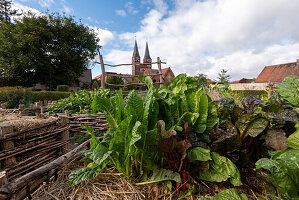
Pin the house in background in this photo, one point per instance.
(246, 80)
(85, 78)
(276, 73)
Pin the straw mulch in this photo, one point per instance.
(114, 186)
(24, 122)
(104, 186)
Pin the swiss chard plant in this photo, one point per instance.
(288, 89)
(79, 102)
(284, 168)
(130, 143)
(163, 137)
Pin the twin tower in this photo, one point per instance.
(137, 67)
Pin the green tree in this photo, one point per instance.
(223, 77)
(201, 80)
(48, 49)
(116, 80)
(6, 12)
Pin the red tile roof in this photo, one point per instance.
(276, 73)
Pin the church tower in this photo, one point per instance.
(135, 60)
(147, 58)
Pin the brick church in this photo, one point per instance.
(144, 68)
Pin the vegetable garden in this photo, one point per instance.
(179, 138)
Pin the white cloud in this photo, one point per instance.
(25, 9)
(121, 13)
(206, 36)
(67, 9)
(45, 3)
(104, 35)
(130, 8)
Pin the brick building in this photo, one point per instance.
(276, 73)
(144, 68)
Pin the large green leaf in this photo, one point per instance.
(93, 142)
(100, 154)
(95, 105)
(119, 106)
(199, 154)
(149, 107)
(79, 175)
(163, 175)
(212, 119)
(146, 80)
(178, 84)
(121, 141)
(289, 89)
(221, 169)
(284, 167)
(108, 108)
(229, 194)
(252, 125)
(136, 103)
(293, 140)
(203, 108)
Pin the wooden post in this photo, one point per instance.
(37, 105)
(270, 87)
(21, 107)
(3, 106)
(103, 71)
(160, 71)
(42, 110)
(65, 134)
(6, 128)
(3, 178)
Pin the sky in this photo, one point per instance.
(191, 36)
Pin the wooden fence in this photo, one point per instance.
(103, 81)
(31, 156)
(25, 150)
(96, 121)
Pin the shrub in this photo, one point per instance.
(13, 96)
(63, 88)
(49, 95)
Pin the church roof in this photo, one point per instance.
(136, 52)
(146, 54)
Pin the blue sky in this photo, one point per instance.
(192, 36)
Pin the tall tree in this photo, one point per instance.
(49, 49)
(201, 80)
(223, 77)
(6, 12)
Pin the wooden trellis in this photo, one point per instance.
(159, 63)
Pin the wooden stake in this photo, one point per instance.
(6, 128)
(160, 71)
(103, 71)
(3, 178)
(65, 134)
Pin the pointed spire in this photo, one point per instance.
(146, 54)
(136, 52)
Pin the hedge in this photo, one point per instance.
(13, 96)
(62, 88)
(49, 95)
(244, 93)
